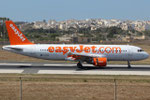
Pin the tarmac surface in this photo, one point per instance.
(62, 68)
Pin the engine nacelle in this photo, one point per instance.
(100, 62)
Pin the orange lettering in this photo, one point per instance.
(116, 49)
(93, 49)
(72, 49)
(108, 50)
(58, 49)
(87, 49)
(51, 49)
(80, 50)
(65, 50)
(101, 50)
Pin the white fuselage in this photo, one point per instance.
(98, 55)
(61, 51)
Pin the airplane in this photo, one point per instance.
(98, 55)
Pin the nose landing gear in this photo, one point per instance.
(129, 65)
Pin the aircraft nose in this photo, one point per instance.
(146, 55)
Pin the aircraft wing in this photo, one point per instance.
(89, 55)
(83, 56)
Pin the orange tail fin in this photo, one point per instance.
(16, 37)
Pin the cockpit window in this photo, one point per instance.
(140, 50)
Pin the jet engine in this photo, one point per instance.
(100, 62)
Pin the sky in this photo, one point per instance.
(35, 10)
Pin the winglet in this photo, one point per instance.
(16, 37)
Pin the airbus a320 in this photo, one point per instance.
(98, 55)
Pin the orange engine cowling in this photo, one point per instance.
(100, 62)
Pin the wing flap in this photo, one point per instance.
(88, 55)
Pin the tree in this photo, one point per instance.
(113, 30)
(147, 32)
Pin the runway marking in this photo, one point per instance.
(10, 71)
(29, 71)
(40, 68)
(15, 64)
(95, 72)
(67, 65)
(59, 64)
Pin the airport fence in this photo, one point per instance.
(45, 88)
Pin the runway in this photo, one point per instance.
(62, 68)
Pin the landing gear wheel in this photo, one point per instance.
(129, 66)
(79, 65)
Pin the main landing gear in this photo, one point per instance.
(129, 66)
(79, 65)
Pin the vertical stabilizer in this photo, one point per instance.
(16, 37)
